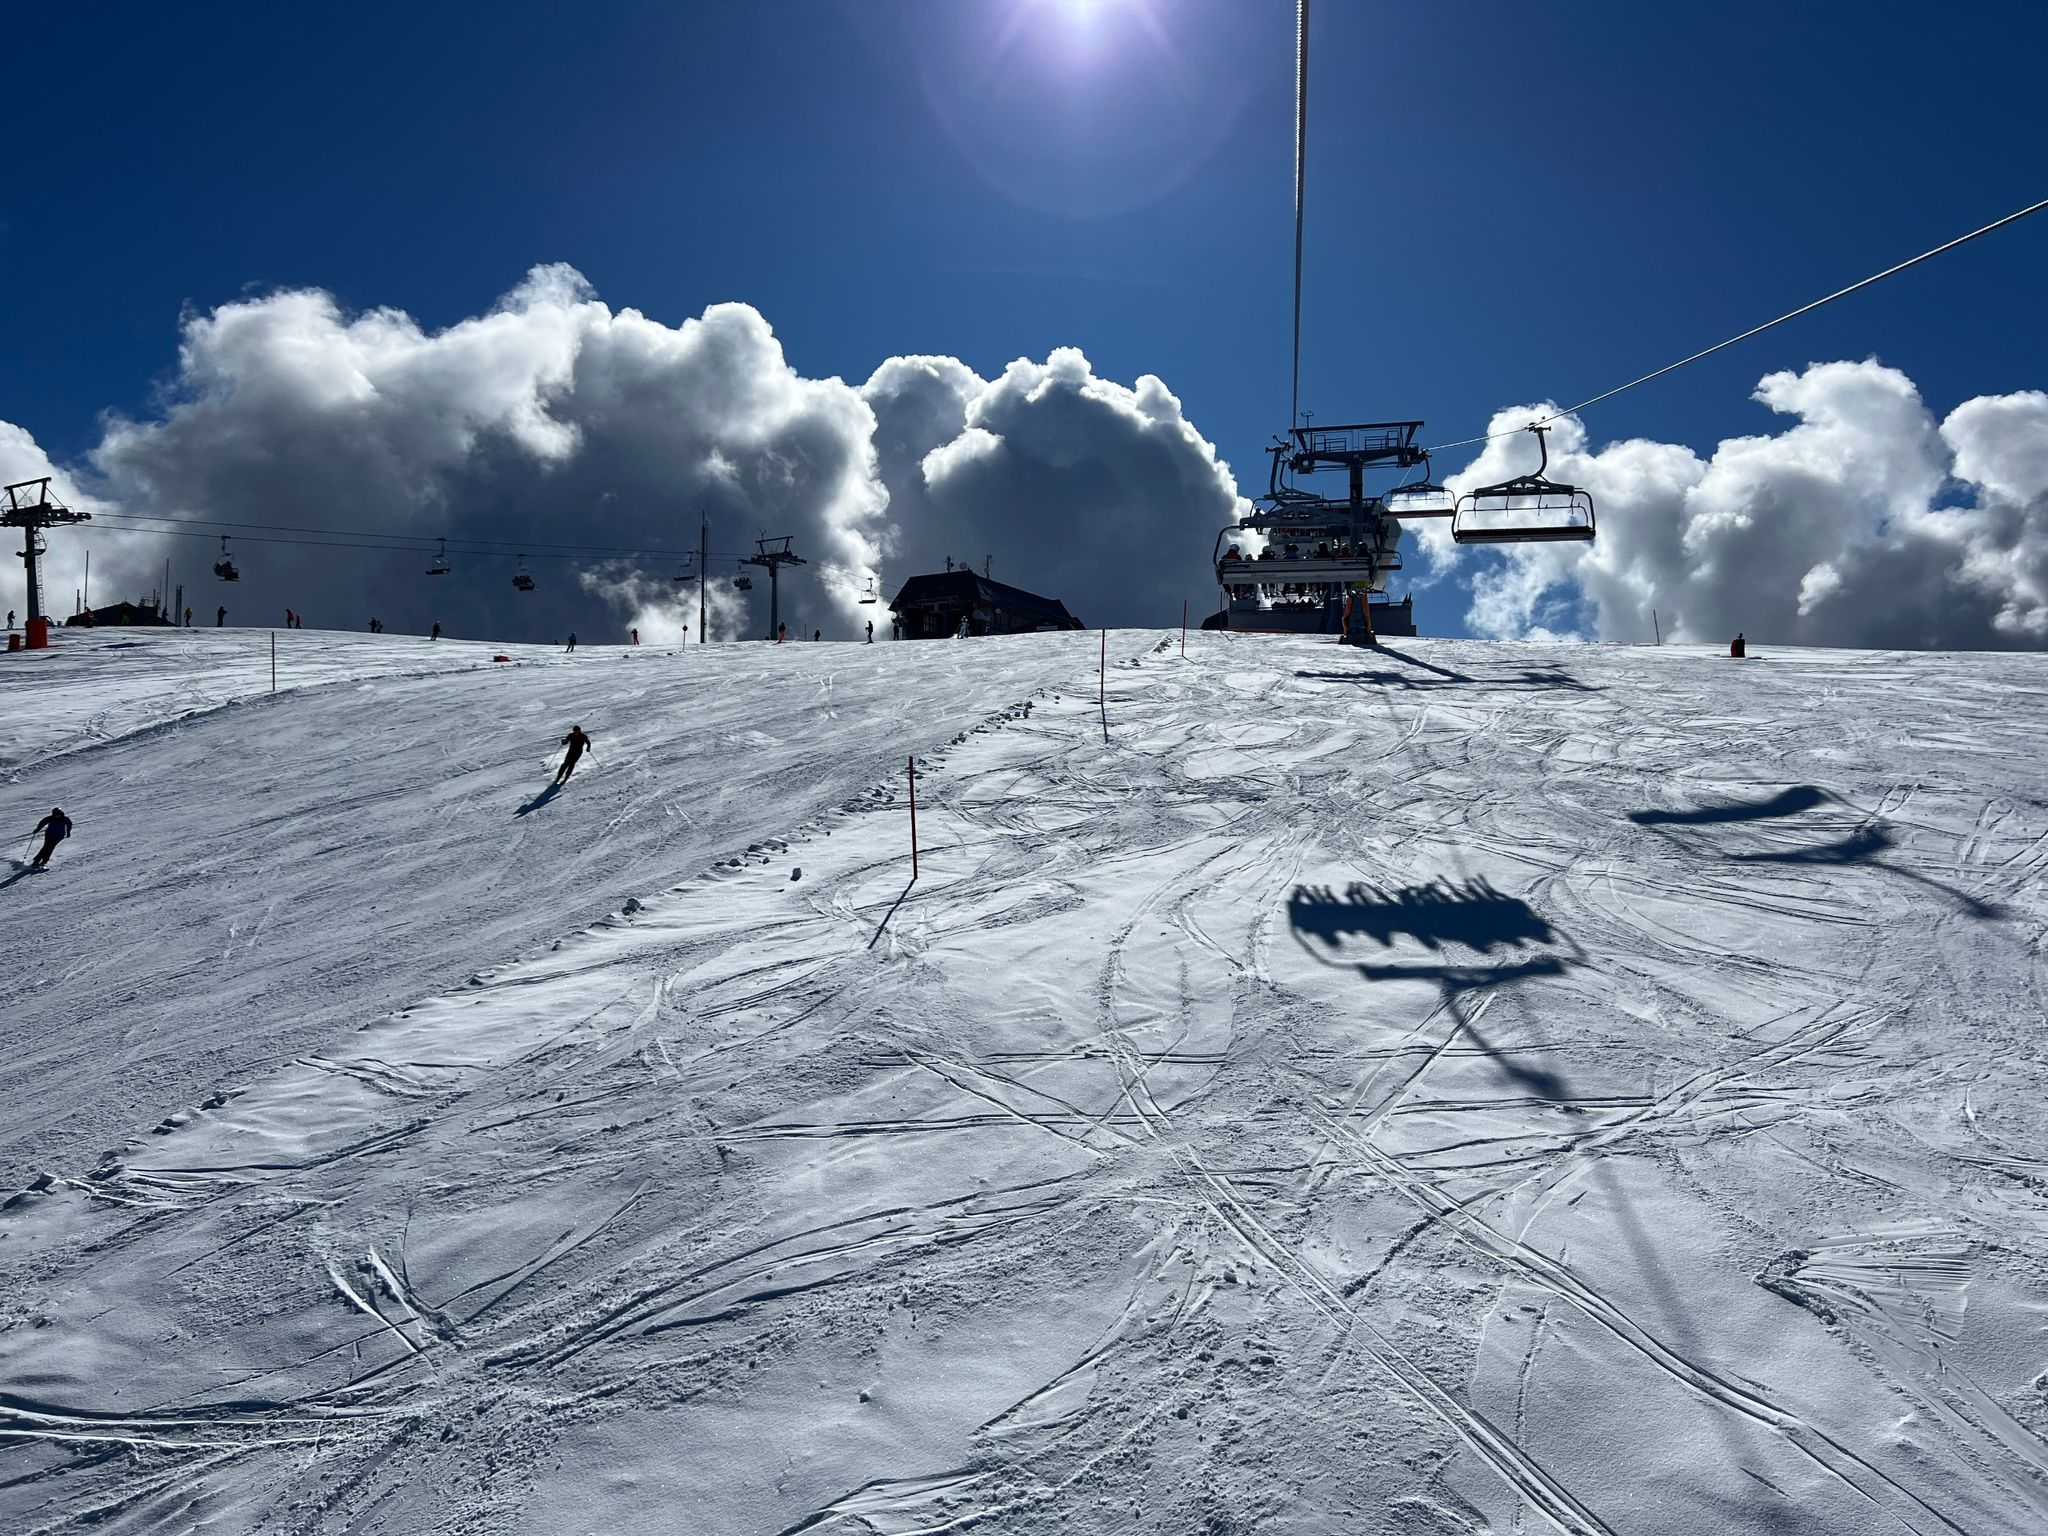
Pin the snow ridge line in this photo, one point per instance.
(85, 743)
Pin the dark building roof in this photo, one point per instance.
(117, 614)
(964, 589)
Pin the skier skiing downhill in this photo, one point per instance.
(577, 743)
(55, 827)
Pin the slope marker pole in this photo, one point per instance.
(1183, 626)
(913, 819)
(273, 661)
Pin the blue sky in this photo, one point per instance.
(1506, 202)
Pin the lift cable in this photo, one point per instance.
(1875, 277)
(1300, 187)
(346, 538)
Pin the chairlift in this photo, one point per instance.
(224, 567)
(871, 595)
(743, 582)
(1420, 498)
(440, 565)
(686, 570)
(1550, 511)
(521, 580)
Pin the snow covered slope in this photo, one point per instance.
(1454, 1087)
(245, 884)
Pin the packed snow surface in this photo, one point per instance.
(1452, 1087)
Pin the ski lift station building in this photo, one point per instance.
(931, 607)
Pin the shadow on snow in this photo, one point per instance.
(1800, 797)
(1471, 916)
(1862, 846)
(539, 800)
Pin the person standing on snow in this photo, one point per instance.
(436, 634)
(572, 640)
(781, 633)
(55, 827)
(220, 618)
(871, 631)
(576, 742)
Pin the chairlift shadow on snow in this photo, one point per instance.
(1474, 915)
(1788, 802)
(1471, 916)
(1862, 846)
(1533, 678)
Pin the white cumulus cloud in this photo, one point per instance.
(1865, 522)
(556, 423)
(591, 440)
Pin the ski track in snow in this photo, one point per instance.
(1453, 1086)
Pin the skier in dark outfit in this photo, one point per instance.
(576, 742)
(55, 827)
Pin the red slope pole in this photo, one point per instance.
(913, 818)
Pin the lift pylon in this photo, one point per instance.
(28, 505)
(773, 560)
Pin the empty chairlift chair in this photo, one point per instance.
(440, 565)
(224, 567)
(521, 580)
(1420, 498)
(1528, 509)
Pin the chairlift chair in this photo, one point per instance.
(1420, 498)
(440, 565)
(743, 582)
(686, 570)
(870, 596)
(224, 567)
(1550, 511)
(522, 580)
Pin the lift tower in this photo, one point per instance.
(773, 560)
(27, 505)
